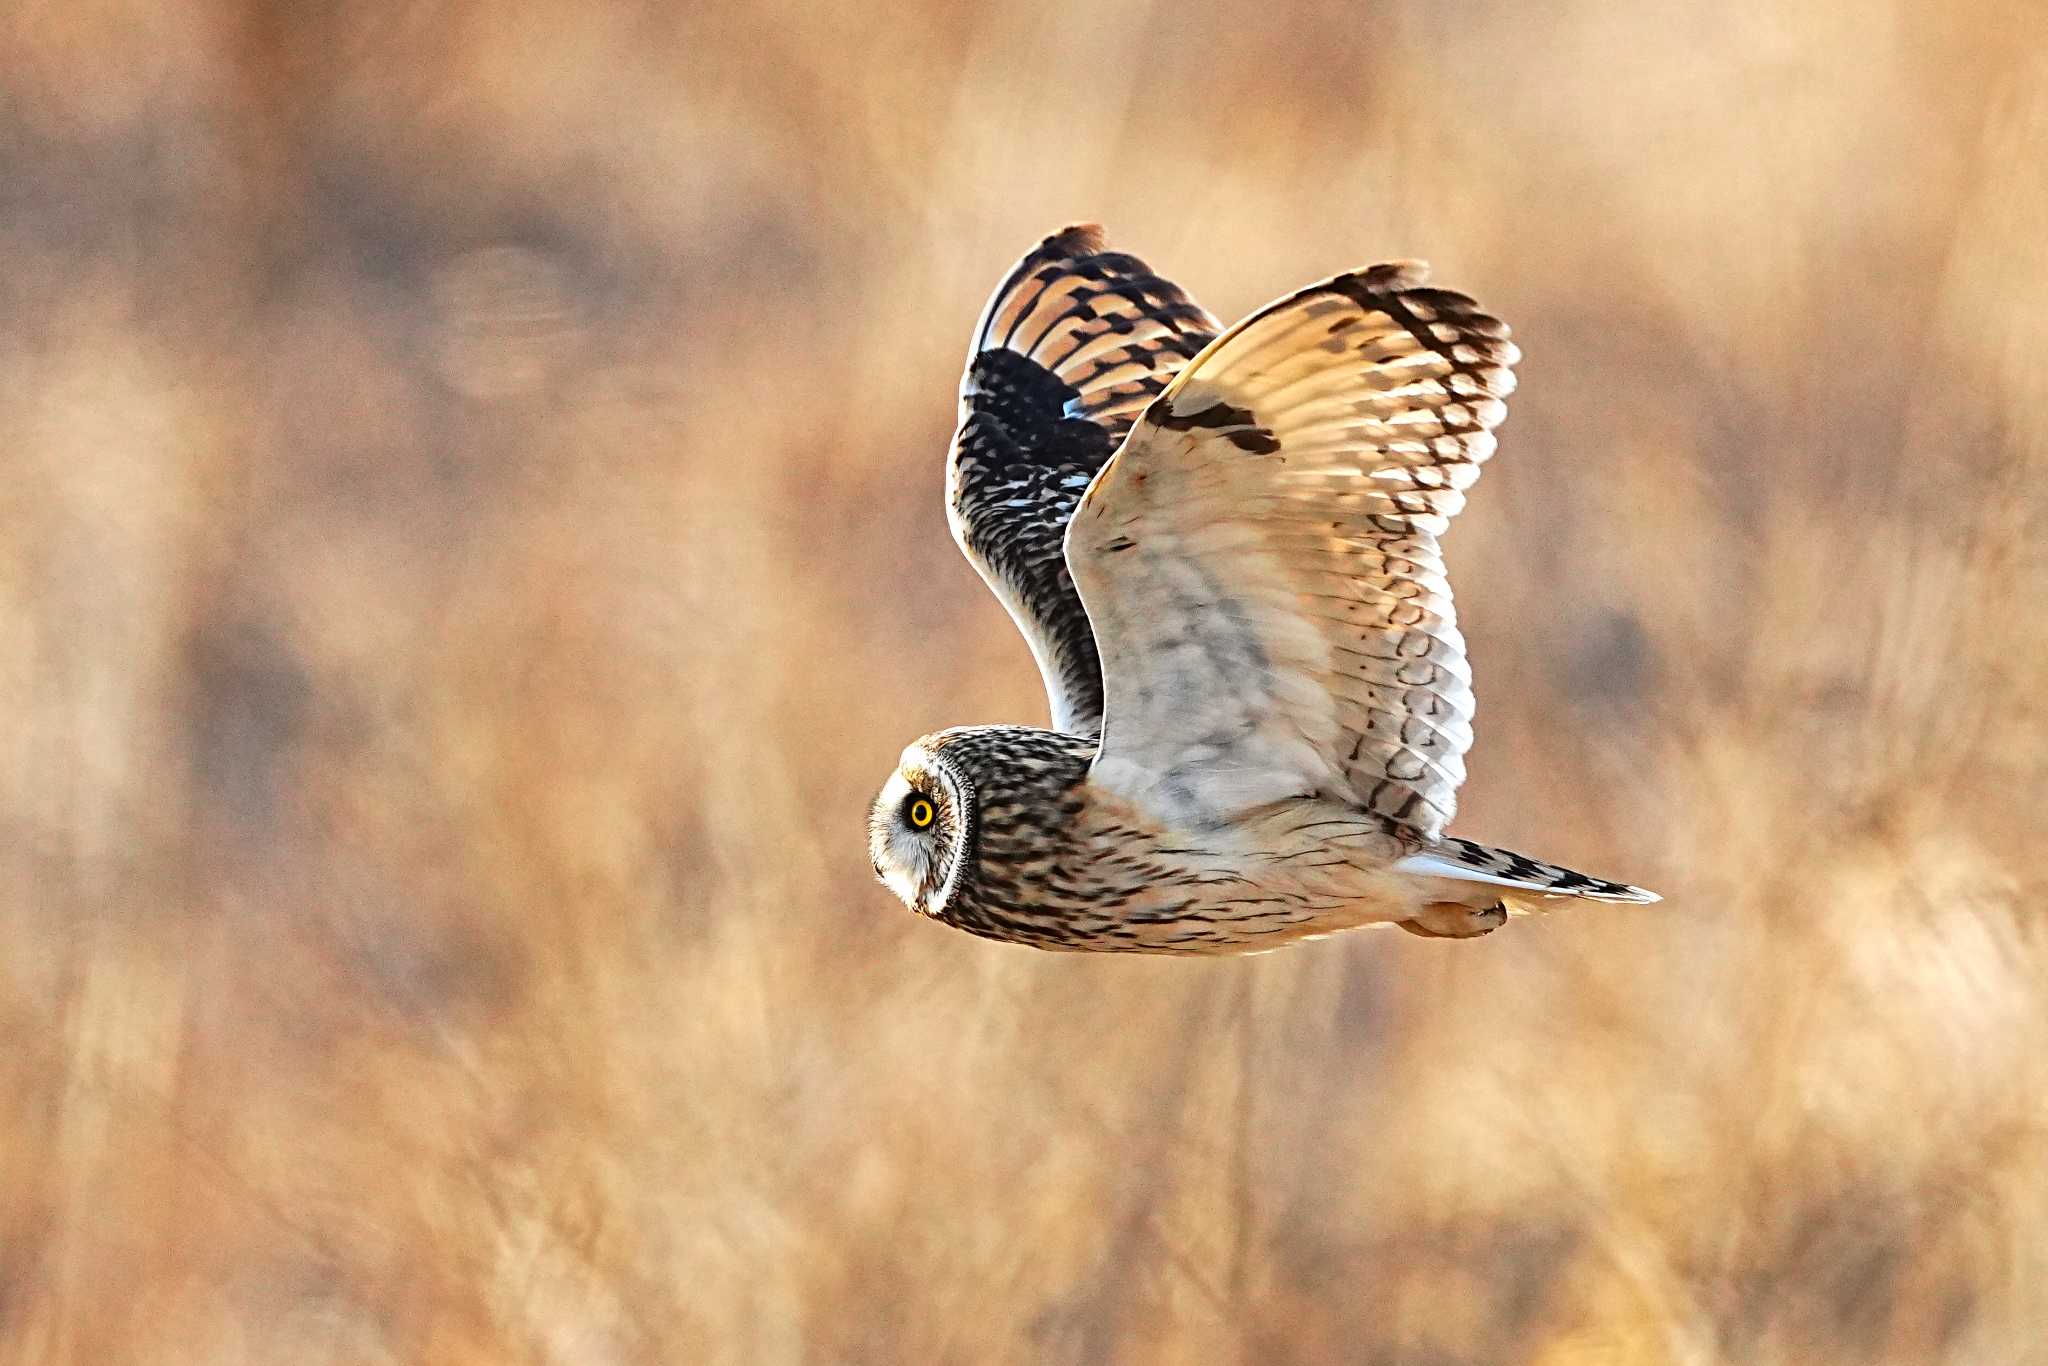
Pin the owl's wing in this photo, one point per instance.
(1260, 559)
(1072, 346)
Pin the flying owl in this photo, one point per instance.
(1222, 548)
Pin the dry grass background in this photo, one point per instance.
(470, 545)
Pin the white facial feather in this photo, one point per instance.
(902, 856)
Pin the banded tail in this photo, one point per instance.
(1467, 861)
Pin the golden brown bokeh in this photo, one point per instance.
(471, 545)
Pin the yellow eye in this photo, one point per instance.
(920, 813)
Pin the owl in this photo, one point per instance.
(1222, 546)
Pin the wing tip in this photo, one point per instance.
(1389, 277)
(1075, 239)
(1463, 860)
(1369, 286)
(1613, 893)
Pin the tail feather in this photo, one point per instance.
(1466, 861)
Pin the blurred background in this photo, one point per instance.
(471, 545)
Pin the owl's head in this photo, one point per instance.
(921, 829)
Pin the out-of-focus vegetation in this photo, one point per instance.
(471, 544)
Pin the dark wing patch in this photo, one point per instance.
(1071, 348)
(1235, 425)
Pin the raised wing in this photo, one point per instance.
(1260, 559)
(1072, 346)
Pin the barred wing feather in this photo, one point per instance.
(1261, 566)
(1072, 346)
